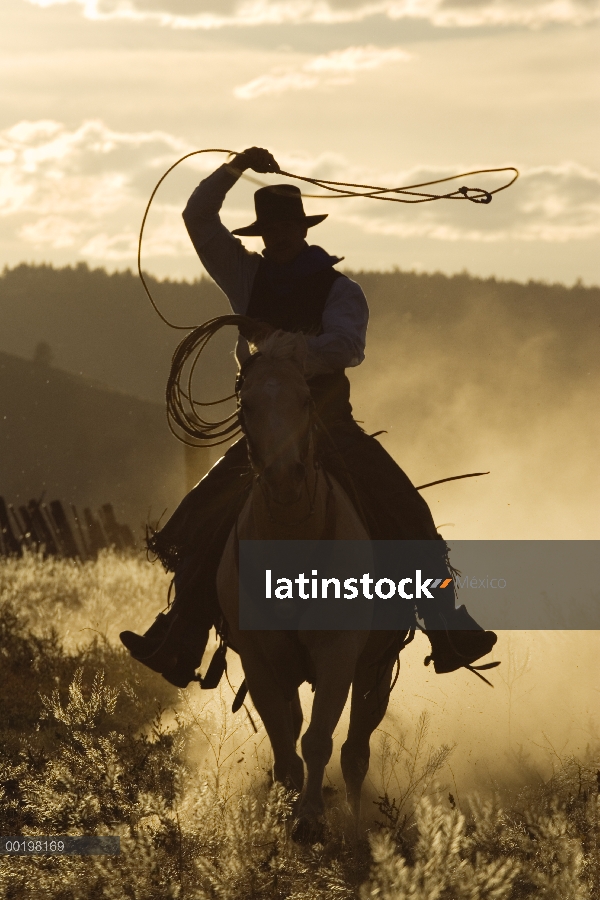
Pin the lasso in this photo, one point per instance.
(340, 189)
(183, 412)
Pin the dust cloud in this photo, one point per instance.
(541, 711)
(500, 380)
(471, 376)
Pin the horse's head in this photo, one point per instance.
(275, 413)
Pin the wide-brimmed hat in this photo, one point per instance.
(275, 203)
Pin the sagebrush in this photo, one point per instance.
(91, 743)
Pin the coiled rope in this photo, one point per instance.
(183, 412)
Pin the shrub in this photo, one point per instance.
(85, 749)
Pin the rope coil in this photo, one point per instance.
(183, 412)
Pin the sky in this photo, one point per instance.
(99, 97)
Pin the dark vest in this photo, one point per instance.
(301, 309)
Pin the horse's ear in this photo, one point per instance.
(242, 350)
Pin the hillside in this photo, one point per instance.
(66, 437)
(102, 326)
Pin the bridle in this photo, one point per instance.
(307, 444)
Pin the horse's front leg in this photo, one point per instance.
(279, 716)
(282, 719)
(370, 698)
(334, 659)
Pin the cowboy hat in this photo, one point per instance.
(275, 203)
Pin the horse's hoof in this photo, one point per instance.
(308, 831)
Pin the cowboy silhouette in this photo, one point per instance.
(293, 286)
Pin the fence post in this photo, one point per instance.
(42, 529)
(64, 531)
(97, 541)
(11, 545)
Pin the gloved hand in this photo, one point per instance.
(255, 332)
(256, 158)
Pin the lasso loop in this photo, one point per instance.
(183, 417)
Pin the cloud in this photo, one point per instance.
(215, 14)
(335, 68)
(76, 189)
(549, 204)
(55, 232)
(80, 193)
(356, 59)
(276, 83)
(48, 169)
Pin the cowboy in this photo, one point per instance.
(292, 286)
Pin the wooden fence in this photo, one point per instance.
(50, 529)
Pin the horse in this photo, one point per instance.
(293, 498)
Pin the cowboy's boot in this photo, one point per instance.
(173, 645)
(457, 640)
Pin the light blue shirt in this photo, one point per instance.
(346, 313)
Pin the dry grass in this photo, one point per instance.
(92, 745)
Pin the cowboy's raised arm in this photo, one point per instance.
(224, 256)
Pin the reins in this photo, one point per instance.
(312, 499)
